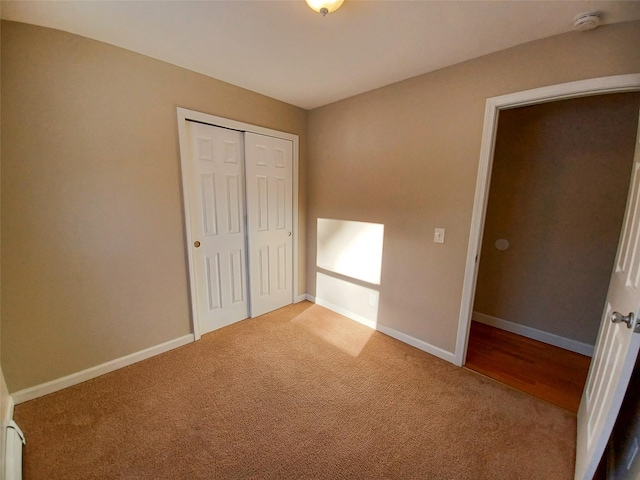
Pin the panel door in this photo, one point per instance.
(217, 225)
(269, 163)
(617, 345)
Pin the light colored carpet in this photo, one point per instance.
(299, 393)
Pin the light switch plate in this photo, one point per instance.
(438, 237)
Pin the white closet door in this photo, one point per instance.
(268, 163)
(215, 191)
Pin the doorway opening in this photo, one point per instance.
(556, 204)
(617, 346)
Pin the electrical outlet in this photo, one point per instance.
(438, 236)
(372, 300)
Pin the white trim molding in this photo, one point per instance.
(417, 343)
(346, 313)
(582, 88)
(8, 413)
(535, 334)
(403, 337)
(93, 372)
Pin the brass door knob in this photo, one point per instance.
(196, 244)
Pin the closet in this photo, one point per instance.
(238, 203)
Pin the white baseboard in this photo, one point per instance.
(300, 298)
(535, 334)
(403, 337)
(310, 298)
(93, 372)
(346, 313)
(417, 343)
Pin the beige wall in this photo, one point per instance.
(559, 187)
(94, 263)
(406, 156)
(93, 251)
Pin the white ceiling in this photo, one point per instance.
(285, 50)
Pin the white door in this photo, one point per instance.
(268, 162)
(214, 187)
(617, 345)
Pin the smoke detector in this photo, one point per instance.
(586, 21)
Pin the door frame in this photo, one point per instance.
(183, 116)
(564, 91)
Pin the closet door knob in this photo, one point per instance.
(196, 244)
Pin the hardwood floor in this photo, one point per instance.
(544, 371)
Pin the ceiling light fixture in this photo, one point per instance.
(324, 6)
